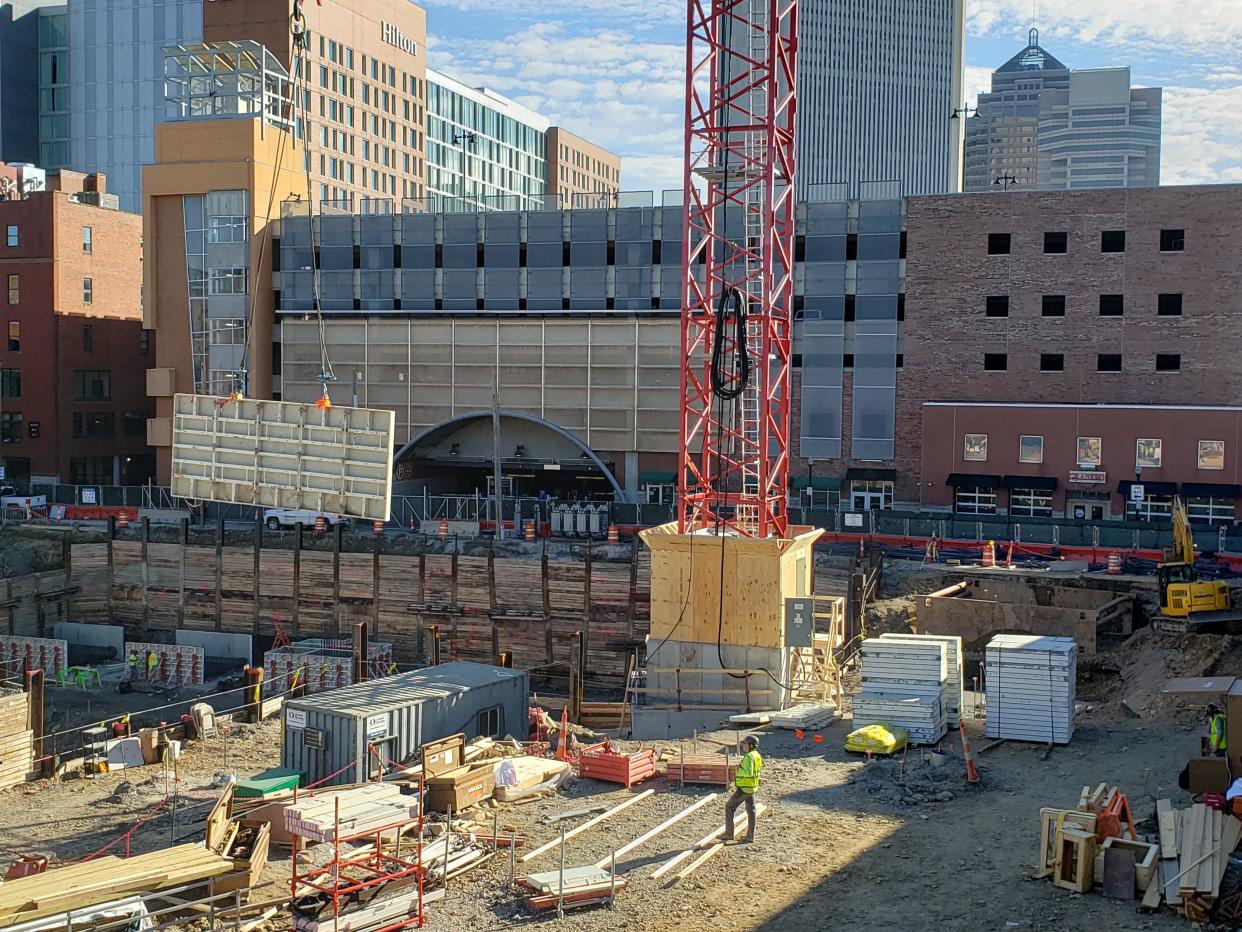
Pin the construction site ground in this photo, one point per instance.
(888, 844)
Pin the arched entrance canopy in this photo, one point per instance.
(445, 427)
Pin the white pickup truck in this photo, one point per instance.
(277, 518)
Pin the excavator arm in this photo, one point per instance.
(1183, 539)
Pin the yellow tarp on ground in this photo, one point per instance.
(876, 739)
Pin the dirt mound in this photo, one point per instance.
(920, 779)
(1148, 659)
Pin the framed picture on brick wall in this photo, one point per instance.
(975, 448)
(1211, 454)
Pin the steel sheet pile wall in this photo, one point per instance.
(1030, 688)
(530, 606)
(333, 731)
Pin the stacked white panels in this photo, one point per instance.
(952, 693)
(1030, 688)
(902, 685)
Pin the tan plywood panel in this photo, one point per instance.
(277, 454)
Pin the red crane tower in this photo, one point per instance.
(737, 266)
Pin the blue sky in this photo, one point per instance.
(611, 70)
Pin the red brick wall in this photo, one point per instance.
(949, 275)
(52, 265)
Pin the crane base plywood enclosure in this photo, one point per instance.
(718, 617)
(736, 597)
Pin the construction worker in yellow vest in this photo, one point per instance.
(133, 665)
(1217, 741)
(153, 661)
(746, 783)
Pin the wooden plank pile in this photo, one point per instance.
(804, 716)
(106, 878)
(362, 809)
(601, 762)
(16, 739)
(1203, 839)
(1095, 844)
(604, 715)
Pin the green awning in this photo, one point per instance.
(657, 478)
(819, 483)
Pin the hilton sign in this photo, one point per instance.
(395, 37)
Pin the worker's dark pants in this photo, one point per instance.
(737, 799)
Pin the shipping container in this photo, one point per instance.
(327, 735)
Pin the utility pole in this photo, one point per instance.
(496, 470)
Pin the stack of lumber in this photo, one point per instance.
(951, 694)
(601, 762)
(903, 685)
(1030, 688)
(804, 716)
(604, 715)
(702, 768)
(362, 809)
(1205, 838)
(454, 860)
(578, 886)
(16, 747)
(105, 879)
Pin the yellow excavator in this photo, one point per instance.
(1183, 594)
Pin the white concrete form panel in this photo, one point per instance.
(274, 454)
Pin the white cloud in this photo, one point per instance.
(1145, 23)
(647, 11)
(1202, 135)
(978, 81)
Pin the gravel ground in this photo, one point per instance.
(847, 844)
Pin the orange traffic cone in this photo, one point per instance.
(442, 533)
(989, 554)
(562, 742)
(614, 536)
(1009, 557)
(972, 774)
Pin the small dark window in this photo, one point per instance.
(1054, 305)
(1112, 305)
(995, 362)
(1169, 305)
(491, 722)
(1113, 241)
(1168, 362)
(1108, 362)
(1172, 240)
(998, 244)
(1056, 243)
(144, 342)
(847, 361)
(849, 308)
(1051, 362)
(998, 305)
(88, 338)
(901, 360)
(795, 360)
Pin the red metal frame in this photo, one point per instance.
(376, 867)
(739, 154)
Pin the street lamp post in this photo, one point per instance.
(1005, 181)
(462, 139)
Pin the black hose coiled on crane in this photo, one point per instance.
(720, 387)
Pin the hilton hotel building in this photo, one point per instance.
(82, 86)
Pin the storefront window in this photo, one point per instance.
(1210, 510)
(1030, 503)
(1030, 449)
(869, 495)
(1154, 506)
(976, 501)
(975, 448)
(1089, 450)
(1211, 454)
(1147, 453)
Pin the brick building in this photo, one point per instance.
(1019, 301)
(73, 405)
